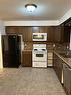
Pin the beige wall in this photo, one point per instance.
(1, 61)
(2, 28)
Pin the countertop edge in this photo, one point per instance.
(66, 60)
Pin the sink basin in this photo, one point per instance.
(65, 55)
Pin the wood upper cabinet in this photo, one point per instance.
(27, 35)
(65, 31)
(27, 58)
(12, 30)
(20, 30)
(62, 32)
(53, 32)
(43, 29)
(57, 34)
(35, 29)
(50, 34)
(67, 78)
(26, 32)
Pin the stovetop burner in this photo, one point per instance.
(39, 49)
(43, 49)
(35, 49)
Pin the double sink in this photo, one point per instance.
(66, 54)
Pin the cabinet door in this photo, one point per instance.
(26, 33)
(67, 34)
(35, 29)
(50, 59)
(54, 62)
(27, 59)
(50, 34)
(12, 30)
(57, 34)
(58, 66)
(67, 79)
(43, 29)
(62, 33)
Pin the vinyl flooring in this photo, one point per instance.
(29, 81)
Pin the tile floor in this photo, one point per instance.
(29, 81)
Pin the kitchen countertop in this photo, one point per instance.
(66, 60)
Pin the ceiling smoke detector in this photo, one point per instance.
(30, 7)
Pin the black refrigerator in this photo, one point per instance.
(11, 49)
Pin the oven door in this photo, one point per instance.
(39, 56)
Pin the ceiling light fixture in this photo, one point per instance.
(30, 7)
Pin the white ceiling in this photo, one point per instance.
(46, 9)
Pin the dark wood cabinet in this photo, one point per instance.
(67, 34)
(50, 34)
(36, 29)
(26, 32)
(57, 34)
(53, 32)
(12, 30)
(27, 58)
(60, 34)
(63, 72)
(58, 66)
(67, 79)
(43, 29)
(65, 31)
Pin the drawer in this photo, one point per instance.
(50, 61)
(39, 64)
(50, 55)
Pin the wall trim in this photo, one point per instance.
(65, 17)
(31, 23)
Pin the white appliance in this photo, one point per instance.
(39, 55)
(39, 36)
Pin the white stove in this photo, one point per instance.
(39, 55)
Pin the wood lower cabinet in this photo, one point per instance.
(63, 72)
(58, 66)
(27, 58)
(67, 78)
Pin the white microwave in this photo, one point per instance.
(39, 36)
